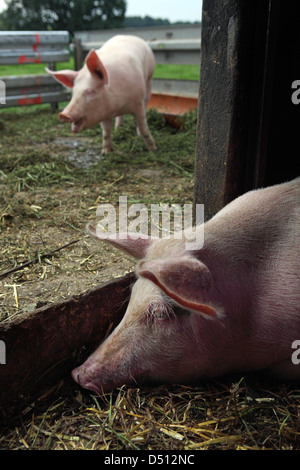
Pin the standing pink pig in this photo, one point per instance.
(115, 80)
(232, 305)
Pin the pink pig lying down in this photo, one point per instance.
(231, 306)
(115, 80)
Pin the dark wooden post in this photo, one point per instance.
(248, 127)
(78, 56)
(228, 56)
(54, 106)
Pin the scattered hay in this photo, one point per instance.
(214, 415)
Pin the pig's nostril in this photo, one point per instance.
(76, 376)
(65, 117)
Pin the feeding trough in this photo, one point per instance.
(174, 98)
(173, 107)
(41, 347)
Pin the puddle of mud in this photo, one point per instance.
(80, 153)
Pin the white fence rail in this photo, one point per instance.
(174, 44)
(22, 90)
(166, 51)
(27, 47)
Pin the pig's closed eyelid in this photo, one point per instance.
(158, 311)
(89, 92)
(162, 319)
(153, 319)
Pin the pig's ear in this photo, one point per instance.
(186, 280)
(132, 243)
(96, 67)
(66, 77)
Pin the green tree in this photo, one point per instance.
(71, 15)
(138, 21)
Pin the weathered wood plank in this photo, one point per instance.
(42, 346)
(227, 108)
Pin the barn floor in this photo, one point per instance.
(51, 183)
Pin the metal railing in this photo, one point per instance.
(178, 44)
(28, 47)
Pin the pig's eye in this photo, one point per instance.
(89, 92)
(159, 310)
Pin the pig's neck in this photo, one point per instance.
(233, 291)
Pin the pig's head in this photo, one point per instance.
(158, 335)
(87, 88)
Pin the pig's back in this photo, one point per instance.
(269, 244)
(123, 50)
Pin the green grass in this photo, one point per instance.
(32, 69)
(179, 72)
(172, 71)
(28, 161)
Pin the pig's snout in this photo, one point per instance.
(65, 117)
(80, 375)
(77, 123)
(75, 375)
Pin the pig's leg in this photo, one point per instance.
(107, 145)
(143, 129)
(119, 121)
(148, 91)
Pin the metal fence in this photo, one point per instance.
(178, 44)
(22, 90)
(175, 44)
(27, 47)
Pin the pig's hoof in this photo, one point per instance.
(106, 151)
(152, 148)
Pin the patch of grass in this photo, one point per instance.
(32, 69)
(27, 159)
(179, 72)
(172, 71)
(39, 182)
